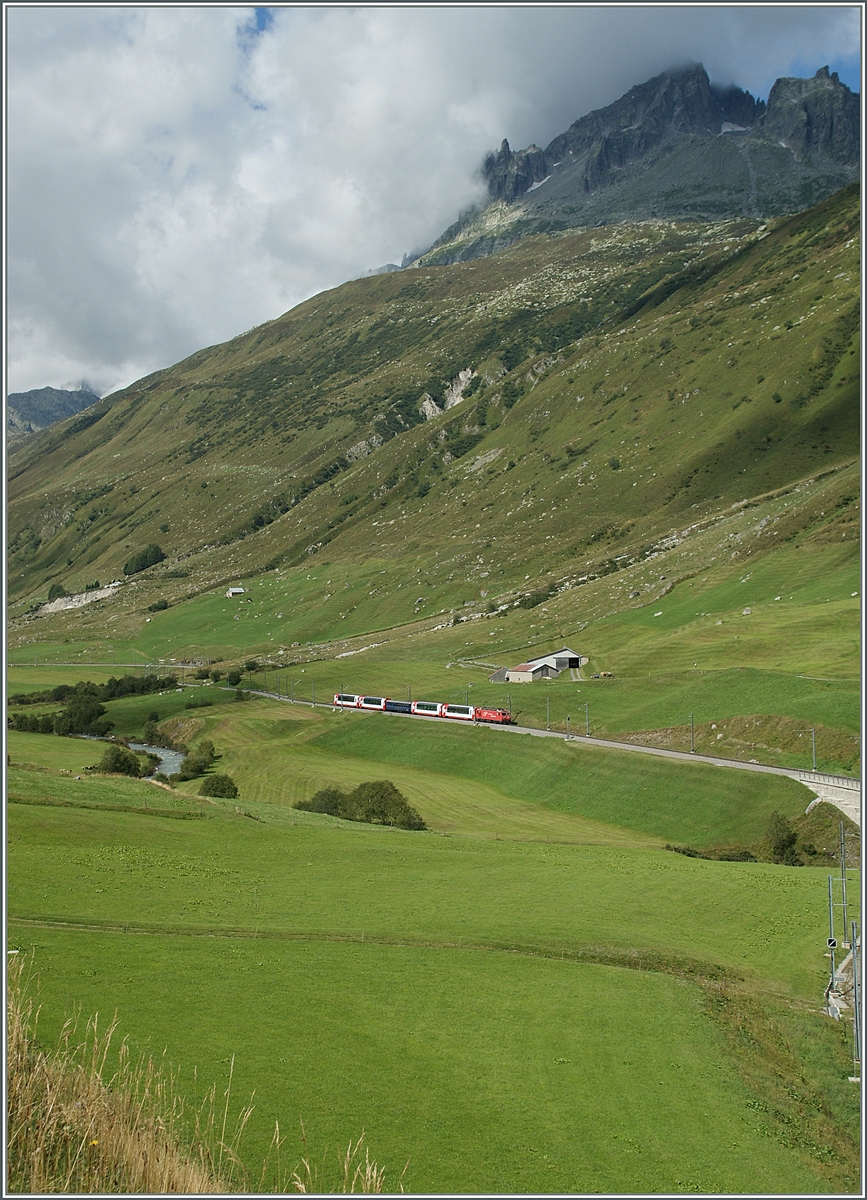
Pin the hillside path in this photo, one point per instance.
(841, 791)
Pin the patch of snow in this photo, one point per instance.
(533, 186)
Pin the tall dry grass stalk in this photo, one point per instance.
(76, 1122)
(81, 1119)
(352, 1174)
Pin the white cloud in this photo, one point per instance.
(175, 176)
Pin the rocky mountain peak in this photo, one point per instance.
(676, 147)
(815, 117)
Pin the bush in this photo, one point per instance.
(145, 558)
(158, 606)
(197, 761)
(199, 704)
(119, 760)
(251, 665)
(203, 673)
(216, 676)
(240, 694)
(56, 592)
(221, 786)
(376, 803)
(233, 678)
(782, 840)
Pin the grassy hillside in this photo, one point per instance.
(637, 390)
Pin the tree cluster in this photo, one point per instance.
(196, 762)
(120, 760)
(84, 711)
(377, 803)
(143, 559)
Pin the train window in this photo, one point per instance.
(426, 706)
(371, 699)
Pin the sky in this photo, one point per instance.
(178, 174)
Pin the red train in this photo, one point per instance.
(424, 708)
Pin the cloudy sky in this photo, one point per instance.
(177, 175)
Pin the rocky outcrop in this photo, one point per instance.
(455, 390)
(363, 448)
(429, 407)
(818, 117)
(509, 174)
(675, 102)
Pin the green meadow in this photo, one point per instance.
(471, 1070)
(533, 995)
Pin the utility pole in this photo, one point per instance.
(313, 684)
(813, 732)
(691, 734)
(832, 941)
(509, 698)
(856, 997)
(567, 727)
(843, 879)
(587, 717)
(548, 712)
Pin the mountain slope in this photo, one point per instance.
(620, 385)
(674, 147)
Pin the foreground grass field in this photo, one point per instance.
(533, 996)
(483, 1071)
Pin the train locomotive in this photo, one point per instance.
(424, 708)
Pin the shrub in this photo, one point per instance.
(251, 665)
(143, 559)
(782, 840)
(203, 673)
(216, 676)
(158, 606)
(56, 592)
(233, 678)
(327, 800)
(377, 803)
(119, 760)
(199, 704)
(198, 761)
(221, 786)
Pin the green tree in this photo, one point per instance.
(233, 678)
(119, 760)
(782, 840)
(222, 786)
(56, 591)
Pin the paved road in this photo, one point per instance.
(839, 790)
